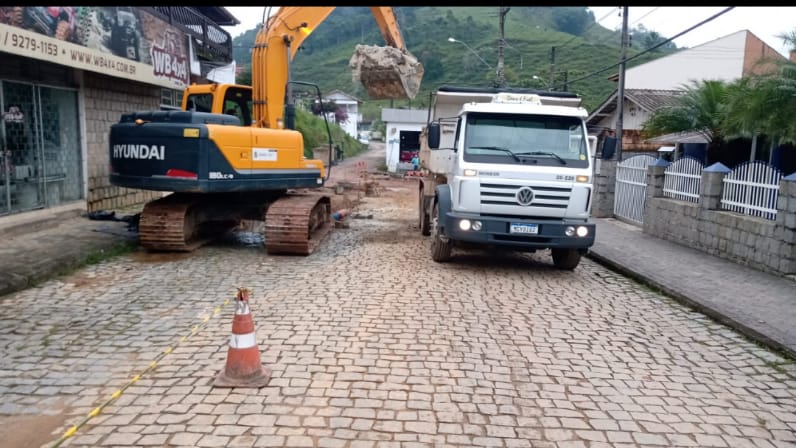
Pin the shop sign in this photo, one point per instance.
(124, 42)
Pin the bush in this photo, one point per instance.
(313, 129)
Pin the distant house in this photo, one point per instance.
(638, 106)
(402, 128)
(656, 83)
(351, 105)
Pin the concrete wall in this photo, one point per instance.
(105, 99)
(720, 59)
(760, 243)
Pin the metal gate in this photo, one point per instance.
(631, 188)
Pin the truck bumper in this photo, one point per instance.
(495, 231)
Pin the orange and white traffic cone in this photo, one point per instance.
(243, 368)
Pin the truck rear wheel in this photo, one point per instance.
(440, 250)
(566, 258)
(423, 219)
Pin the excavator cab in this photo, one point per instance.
(228, 99)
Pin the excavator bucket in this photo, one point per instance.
(386, 72)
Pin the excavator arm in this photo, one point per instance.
(386, 72)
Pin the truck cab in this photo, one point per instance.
(514, 172)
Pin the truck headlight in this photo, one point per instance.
(464, 224)
(476, 225)
(569, 231)
(582, 231)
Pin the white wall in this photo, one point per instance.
(634, 117)
(393, 142)
(721, 59)
(352, 109)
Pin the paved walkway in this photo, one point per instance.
(27, 258)
(759, 305)
(762, 306)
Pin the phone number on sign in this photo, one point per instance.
(31, 44)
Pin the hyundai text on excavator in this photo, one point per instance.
(232, 152)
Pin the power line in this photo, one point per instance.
(664, 42)
(645, 15)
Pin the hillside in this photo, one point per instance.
(581, 47)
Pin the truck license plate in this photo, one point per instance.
(531, 229)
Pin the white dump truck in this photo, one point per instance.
(507, 169)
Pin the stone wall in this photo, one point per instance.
(604, 186)
(106, 99)
(757, 242)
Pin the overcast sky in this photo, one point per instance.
(764, 22)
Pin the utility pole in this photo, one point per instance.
(500, 76)
(552, 68)
(620, 96)
(566, 80)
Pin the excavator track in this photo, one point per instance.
(170, 224)
(297, 223)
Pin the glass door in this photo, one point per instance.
(40, 156)
(61, 176)
(22, 153)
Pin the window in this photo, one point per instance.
(238, 102)
(512, 139)
(170, 99)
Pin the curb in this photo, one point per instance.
(714, 314)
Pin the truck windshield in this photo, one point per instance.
(525, 139)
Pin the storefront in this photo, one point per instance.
(41, 150)
(67, 74)
(403, 127)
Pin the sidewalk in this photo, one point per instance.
(27, 258)
(761, 306)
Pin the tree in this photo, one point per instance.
(340, 114)
(765, 104)
(701, 109)
(572, 20)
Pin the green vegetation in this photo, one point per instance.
(582, 47)
(313, 129)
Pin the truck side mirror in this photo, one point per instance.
(592, 145)
(433, 135)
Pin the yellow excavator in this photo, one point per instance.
(232, 152)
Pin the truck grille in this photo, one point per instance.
(543, 196)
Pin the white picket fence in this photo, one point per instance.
(752, 189)
(631, 188)
(682, 179)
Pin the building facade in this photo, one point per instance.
(68, 74)
(350, 105)
(402, 139)
(656, 83)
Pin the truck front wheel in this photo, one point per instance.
(566, 258)
(440, 250)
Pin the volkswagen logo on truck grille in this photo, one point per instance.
(524, 196)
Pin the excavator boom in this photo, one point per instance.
(385, 72)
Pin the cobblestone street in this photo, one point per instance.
(372, 344)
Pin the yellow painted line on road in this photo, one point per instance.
(94, 412)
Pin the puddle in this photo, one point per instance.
(243, 238)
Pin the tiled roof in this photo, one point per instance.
(653, 99)
(647, 99)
